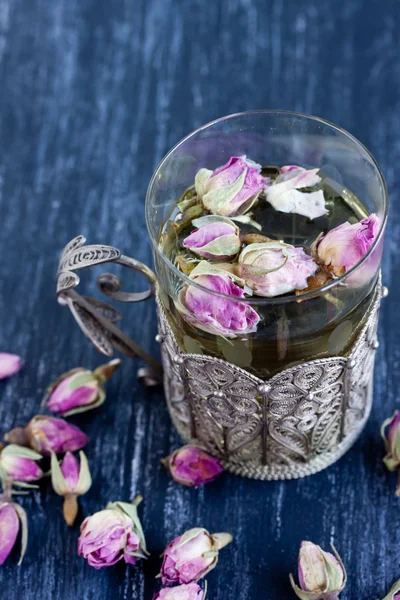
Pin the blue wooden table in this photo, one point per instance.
(93, 93)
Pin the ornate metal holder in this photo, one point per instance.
(296, 423)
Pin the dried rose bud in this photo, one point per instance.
(192, 466)
(394, 593)
(18, 464)
(344, 246)
(214, 238)
(285, 195)
(190, 591)
(213, 313)
(231, 189)
(70, 480)
(12, 519)
(390, 432)
(274, 268)
(48, 434)
(9, 364)
(321, 574)
(192, 555)
(80, 390)
(113, 534)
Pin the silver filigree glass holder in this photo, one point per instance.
(294, 424)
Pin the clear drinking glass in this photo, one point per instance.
(292, 329)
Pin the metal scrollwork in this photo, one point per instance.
(96, 319)
(295, 424)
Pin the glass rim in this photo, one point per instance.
(261, 300)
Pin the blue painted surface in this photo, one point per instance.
(93, 93)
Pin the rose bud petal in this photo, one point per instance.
(192, 467)
(190, 591)
(344, 246)
(9, 364)
(320, 573)
(80, 390)
(215, 238)
(284, 194)
(70, 480)
(231, 189)
(394, 593)
(212, 313)
(18, 464)
(12, 519)
(192, 555)
(273, 268)
(112, 534)
(48, 434)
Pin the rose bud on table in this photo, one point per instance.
(113, 534)
(19, 465)
(12, 521)
(273, 268)
(344, 246)
(192, 555)
(70, 479)
(214, 238)
(48, 434)
(322, 575)
(80, 390)
(390, 432)
(192, 467)
(394, 593)
(9, 364)
(231, 189)
(190, 591)
(213, 313)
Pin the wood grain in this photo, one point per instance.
(93, 93)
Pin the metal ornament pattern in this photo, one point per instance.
(297, 423)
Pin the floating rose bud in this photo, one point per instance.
(274, 268)
(321, 574)
(284, 194)
(215, 238)
(213, 313)
(192, 555)
(80, 390)
(344, 246)
(70, 480)
(12, 519)
(111, 535)
(9, 364)
(18, 464)
(190, 591)
(48, 434)
(192, 466)
(231, 189)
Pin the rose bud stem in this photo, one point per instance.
(70, 509)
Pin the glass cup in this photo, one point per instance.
(296, 338)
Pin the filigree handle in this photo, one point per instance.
(95, 318)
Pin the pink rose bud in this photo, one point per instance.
(390, 432)
(111, 535)
(18, 465)
(192, 467)
(192, 555)
(70, 479)
(215, 238)
(321, 574)
(80, 390)
(48, 434)
(344, 246)
(9, 364)
(273, 268)
(12, 519)
(231, 189)
(190, 591)
(394, 593)
(212, 313)
(285, 195)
